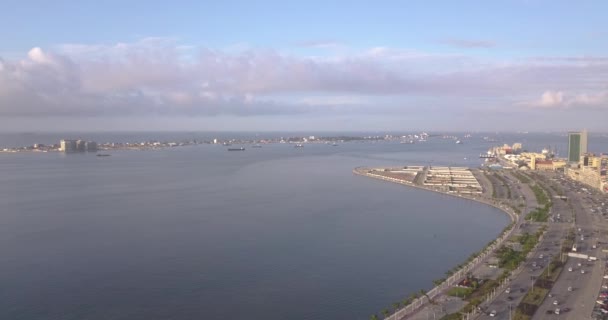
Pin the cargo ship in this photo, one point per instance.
(236, 149)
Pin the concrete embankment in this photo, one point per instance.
(417, 304)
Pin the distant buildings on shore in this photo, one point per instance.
(580, 165)
(72, 146)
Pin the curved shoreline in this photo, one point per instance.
(474, 263)
(512, 215)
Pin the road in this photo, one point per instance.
(505, 302)
(590, 229)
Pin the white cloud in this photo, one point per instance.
(559, 99)
(161, 76)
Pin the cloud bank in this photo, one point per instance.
(161, 77)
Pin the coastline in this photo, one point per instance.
(512, 215)
(489, 249)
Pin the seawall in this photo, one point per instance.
(450, 281)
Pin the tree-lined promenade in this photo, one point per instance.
(410, 305)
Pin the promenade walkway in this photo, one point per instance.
(440, 303)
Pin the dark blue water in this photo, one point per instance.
(202, 233)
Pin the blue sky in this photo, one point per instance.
(304, 65)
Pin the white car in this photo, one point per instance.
(493, 313)
(557, 311)
(569, 288)
(570, 269)
(555, 302)
(582, 271)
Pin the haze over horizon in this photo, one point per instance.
(275, 66)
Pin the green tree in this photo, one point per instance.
(385, 313)
(373, 317)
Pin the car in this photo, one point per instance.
(509, 298)
(555, 302)
(508, 290)
(565, 309)
(579, 264)
(549, 311)
(582, 271)
(557, 310)
(570, 269)
(493, 313)
(569, 288)
(541, 256)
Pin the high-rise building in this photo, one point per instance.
(577, 145)
(68, 146)
(91, 146)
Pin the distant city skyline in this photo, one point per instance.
(276, 66)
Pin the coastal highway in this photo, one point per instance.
(522, 280)
(585, 287)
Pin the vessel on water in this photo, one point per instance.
(103, 155)
(236, 149)
(458, 142)
(299, 145)
(256, 146)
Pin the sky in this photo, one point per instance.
(303, 65)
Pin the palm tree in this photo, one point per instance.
(385, 313)
(396, 305)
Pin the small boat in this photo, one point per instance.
(334, 145)
(256, 146)
(299, 145)
(103, 155)
(236, 149)
(458, 142)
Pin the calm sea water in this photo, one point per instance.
(202, 233)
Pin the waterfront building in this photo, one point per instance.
(81, 145)
(545, 165)
(516, 147)
(91, 146)
(577, 145)
(68, 146)
(532, 162)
